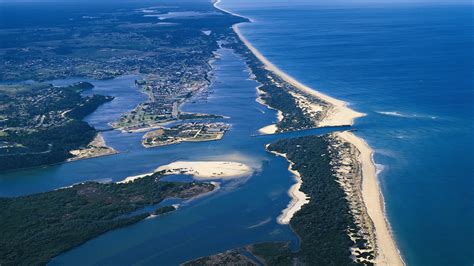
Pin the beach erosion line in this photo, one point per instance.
(387, 251)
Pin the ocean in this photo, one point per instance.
(409, 67)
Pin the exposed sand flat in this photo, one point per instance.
(270, 129)
(203, 170)
(339, 114)
(387, 251)
(97, 147)
(298, 198)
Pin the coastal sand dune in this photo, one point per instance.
(387, 251)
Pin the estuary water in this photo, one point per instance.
(410, 68)
(241, 212)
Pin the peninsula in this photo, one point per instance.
(41, 124)
(333, 170)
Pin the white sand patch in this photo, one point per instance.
(203, 170)
(270, 129)
(132, 178)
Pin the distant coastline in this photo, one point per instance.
(387, 250)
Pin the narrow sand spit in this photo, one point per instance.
(96, 148)
(132, 178)
(387, 251)
(298, 198)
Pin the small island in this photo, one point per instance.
(187, 132)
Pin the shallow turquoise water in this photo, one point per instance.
(410, 68)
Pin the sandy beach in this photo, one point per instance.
(338, 115)
(201, 170)
(132, 178)
(298, 198)
(204, 170)
(270, 129)
(387, 251)
(97, 147)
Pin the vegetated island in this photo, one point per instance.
(38, 227)
(42, 124)
(186, 132)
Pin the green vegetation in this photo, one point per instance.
(164, 210)
(38, 227)
(273, 253)
(190, 116)
(42, 123)
(276, 92)
(323, 223)
(230, 257)
(185, 132)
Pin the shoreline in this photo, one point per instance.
(341, 114)
(387, 250)
(298, 198)
(96, 148)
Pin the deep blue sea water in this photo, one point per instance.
(410, 68)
